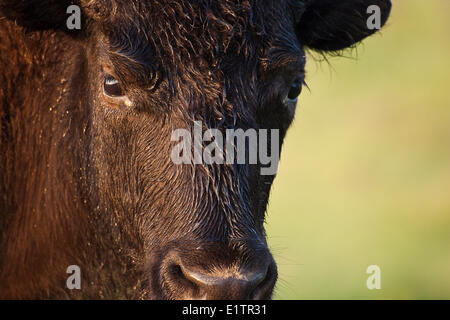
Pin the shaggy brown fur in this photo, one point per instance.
(88, 181)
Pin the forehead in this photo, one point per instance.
(170, 35)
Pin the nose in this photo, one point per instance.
(223, 286)
(187, 280)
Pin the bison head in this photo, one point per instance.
(137, 223)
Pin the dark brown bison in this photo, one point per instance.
(86, 176)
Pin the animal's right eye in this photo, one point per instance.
(112, 88)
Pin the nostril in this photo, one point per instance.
(263, 290)
(194, 279)
(176, 271)
(225, 285)
(178, 279)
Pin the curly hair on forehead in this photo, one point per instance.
(170, 38)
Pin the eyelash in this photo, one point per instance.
(111, 81)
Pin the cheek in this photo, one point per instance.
(290, 108)
(277, 115)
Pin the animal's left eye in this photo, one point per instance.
(295, 90)
(112, 88)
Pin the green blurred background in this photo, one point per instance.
(364, 176)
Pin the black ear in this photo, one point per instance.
(330, 25)
(36, 14)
